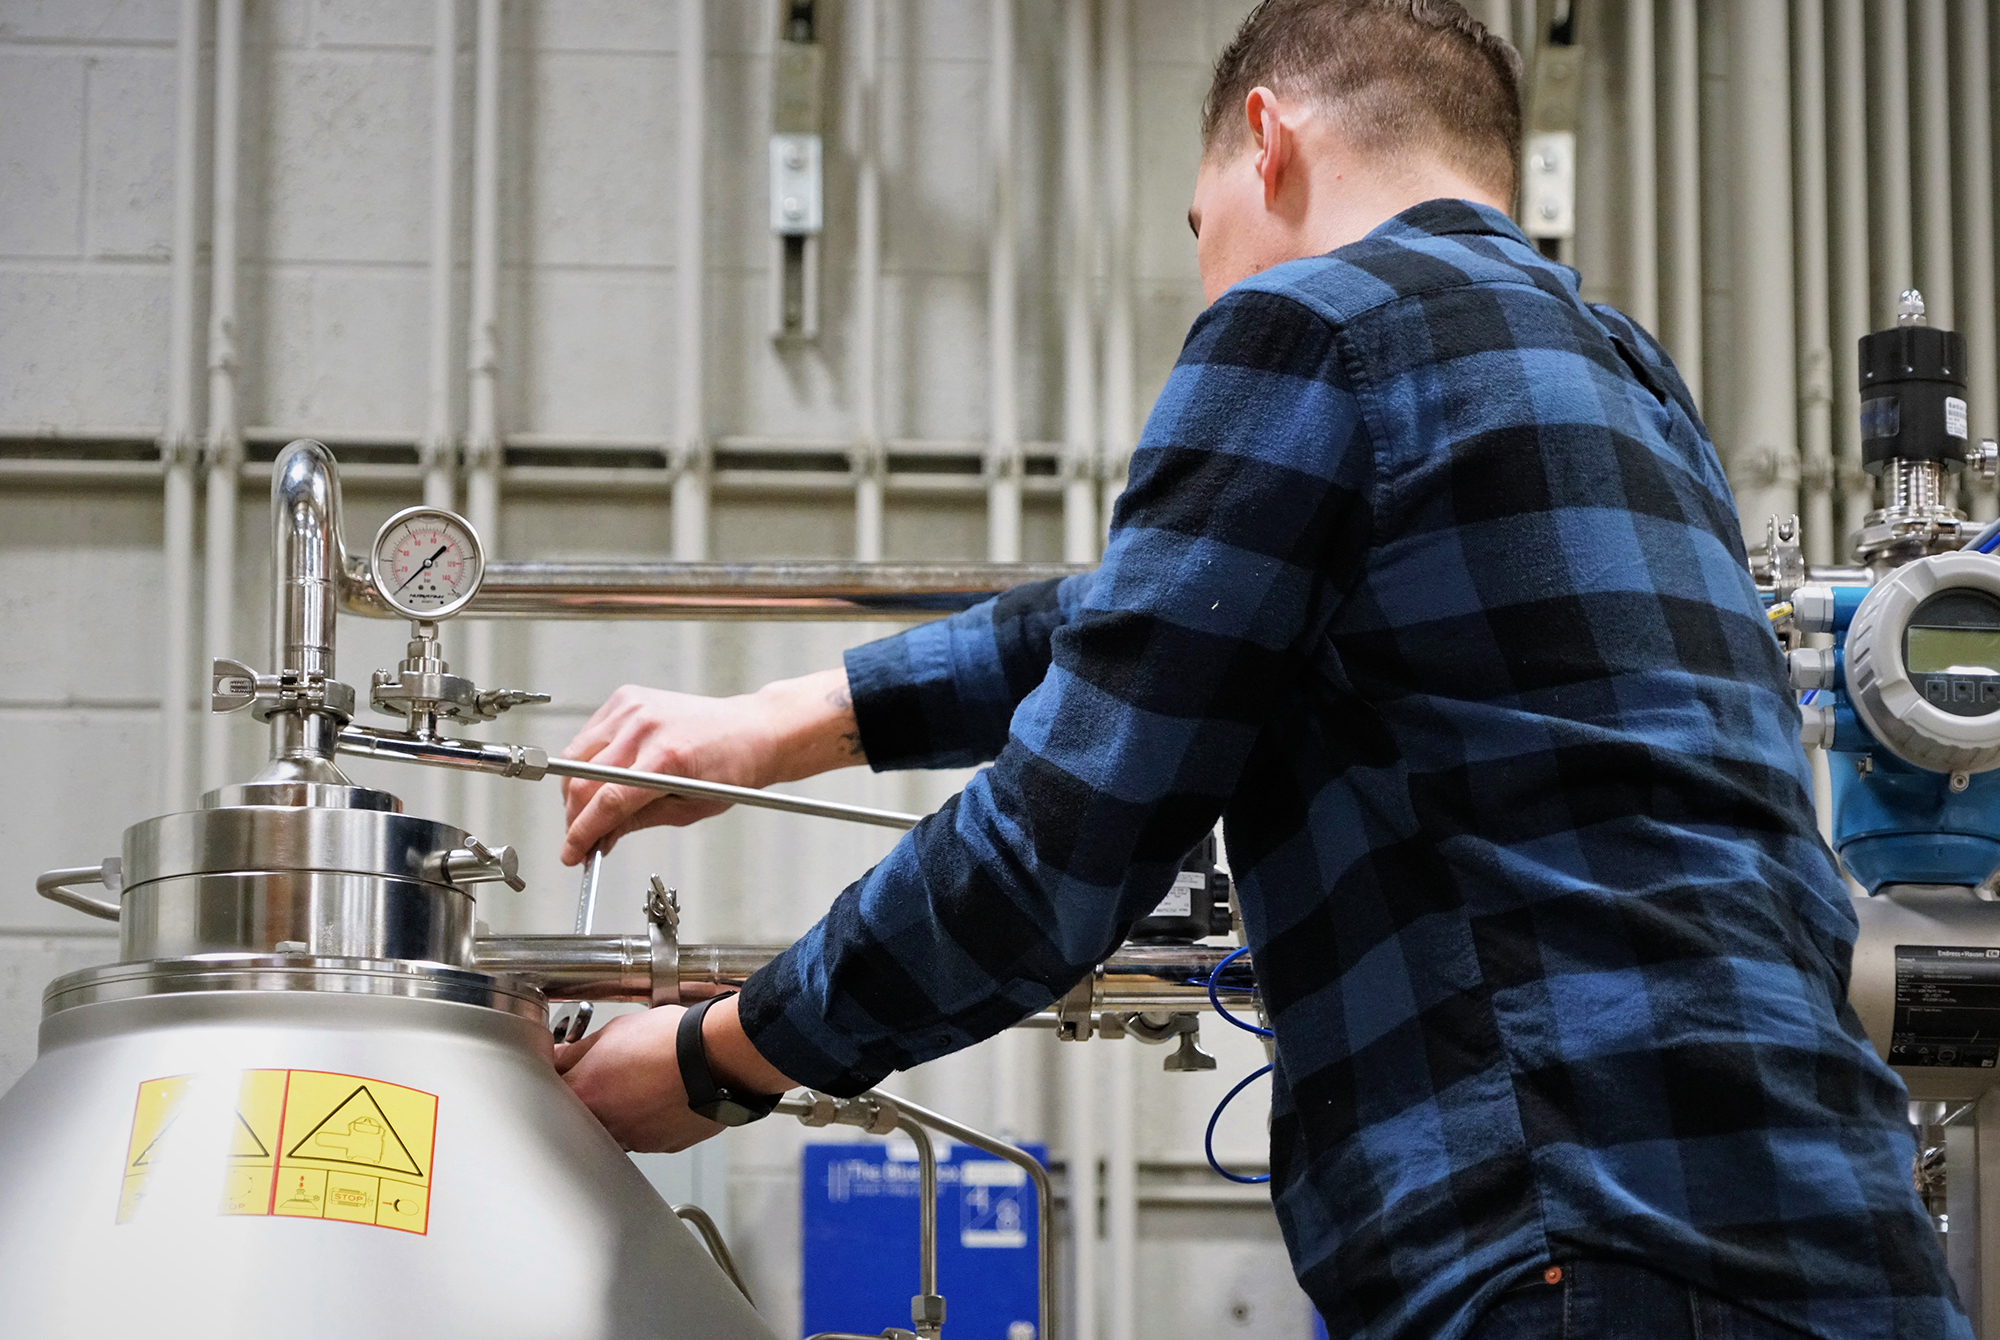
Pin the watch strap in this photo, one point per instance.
(705, 1097)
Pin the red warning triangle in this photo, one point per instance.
(358, 1133)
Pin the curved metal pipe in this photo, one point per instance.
(309, 555)
(711, 1237)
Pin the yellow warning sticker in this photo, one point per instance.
(298, 1143)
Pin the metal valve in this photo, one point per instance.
(234, 686)
(423, 691)
(477, 863)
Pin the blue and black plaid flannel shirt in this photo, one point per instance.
(1428, 584)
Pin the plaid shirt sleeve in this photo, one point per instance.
(1141, 695)
(942, 694)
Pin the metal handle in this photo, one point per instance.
(477, 863)
(54, 885)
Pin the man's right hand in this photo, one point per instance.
(787, 730)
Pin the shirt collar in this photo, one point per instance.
(1440, 218)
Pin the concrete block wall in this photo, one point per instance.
(333, 331)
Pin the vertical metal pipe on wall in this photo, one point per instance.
(690, 407)
(440, 448)
(1121, 1194)
(1931, 113)
(868, 462)
(1079, 464)
(180, 444)
(1889, 187)
(1080, 1154)
(1121, 1156)
(438, 793)
(1847, 140)
(1120, 395)
(1815, 386)
(1764, 462)
(1681, 328)
(1003, 462)
(484, 452)
(1642, 299)
(1974, 212)
(225, 429)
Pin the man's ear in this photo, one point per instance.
(1271, 138)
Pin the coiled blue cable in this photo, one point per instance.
(1215, 988)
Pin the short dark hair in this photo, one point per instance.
(1400, 75)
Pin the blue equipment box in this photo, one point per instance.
(860, 1240)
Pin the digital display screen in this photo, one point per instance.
(1930, 651)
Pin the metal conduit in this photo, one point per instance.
(1815, 384)
(1847, 144)
(483, 454)
(1765, 465)
(225, 432)
(1003, 461)
(1972, 58)
(869, 464)
(1682, 325)
(1931, 195)
(1642, 169)
(180, 443)
(1889, 188)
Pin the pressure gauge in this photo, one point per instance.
(1923, 662)
(426, 562)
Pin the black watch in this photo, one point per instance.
(705, 1097)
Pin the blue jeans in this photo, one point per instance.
(1599, 1300)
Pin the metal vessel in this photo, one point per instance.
(295, 1106)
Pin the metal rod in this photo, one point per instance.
(586, 901)
(735, 795)
(761, 591)
(530, 765)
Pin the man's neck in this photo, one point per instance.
(1345, 205)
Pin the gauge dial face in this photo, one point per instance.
(427, 562)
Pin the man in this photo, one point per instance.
(1427, 582)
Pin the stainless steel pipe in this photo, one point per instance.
(732, 591)
(1135, 979)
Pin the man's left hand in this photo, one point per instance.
(628, 1075)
